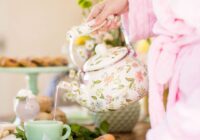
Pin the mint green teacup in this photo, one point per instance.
(46, 130)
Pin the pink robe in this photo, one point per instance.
(174, 59)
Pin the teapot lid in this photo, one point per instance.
(104, 57)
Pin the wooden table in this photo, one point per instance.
(138, 133)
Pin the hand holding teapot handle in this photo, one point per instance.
(81, 30)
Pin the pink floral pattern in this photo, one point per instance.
(113, 87)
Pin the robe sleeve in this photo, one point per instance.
(139, 20)
(182, 121)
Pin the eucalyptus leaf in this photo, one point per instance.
(20, 134)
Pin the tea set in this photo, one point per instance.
(111, 79)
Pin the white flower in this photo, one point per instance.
(25, 93)
(90, 44)
(82, 53)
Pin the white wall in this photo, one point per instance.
(32, 27)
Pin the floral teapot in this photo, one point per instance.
(111, 79)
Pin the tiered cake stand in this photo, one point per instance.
(33, 73)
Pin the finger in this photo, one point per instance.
(115, 25)
(105, 27)
(95, 33)
(102, 16)
(95, 11)
(116, 19)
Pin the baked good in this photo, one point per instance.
(8, 62)
(59, 115)
(59, 61)
(45, 103)
(26, 63)
(48, 61)
(6, 129)
(33, 62)
(37, 60)
(44, 116)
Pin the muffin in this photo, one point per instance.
(59, 115)
(45, 103)
(44, 116)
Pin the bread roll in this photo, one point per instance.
(60, 115)
(44, 116)
(45, 103)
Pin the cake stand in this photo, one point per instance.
(32, 74)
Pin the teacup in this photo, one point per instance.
(46, 130)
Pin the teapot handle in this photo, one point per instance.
(89, 29)
(72, 54)
(126, 38)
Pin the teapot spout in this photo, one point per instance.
(75, 92)
(71, 90)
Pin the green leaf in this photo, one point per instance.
(104, 126)
(102, 97)
(121, 86)
(129, 79)
(20, 134)
(94, 97)
(21, 98)
(70, 138)
(132, 84)
(97, 131)
(99, 61)
(129, 68)
(80, 1)
(75, 128)
(85, 4)
(97, 81)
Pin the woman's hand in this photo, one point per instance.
(106, 8)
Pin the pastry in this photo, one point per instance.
(33, 62)
(6, 129)
(59, 61)
(36, 60)
(8, 62)
(26, 63)
(45, 103)
(44, 116)
(59, 115)
(47, 61)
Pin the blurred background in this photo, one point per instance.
(32, 28)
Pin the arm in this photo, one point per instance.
(139, 20)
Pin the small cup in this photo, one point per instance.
(46, 130)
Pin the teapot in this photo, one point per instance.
(111, 79)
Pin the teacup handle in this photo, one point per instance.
(68, 132)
